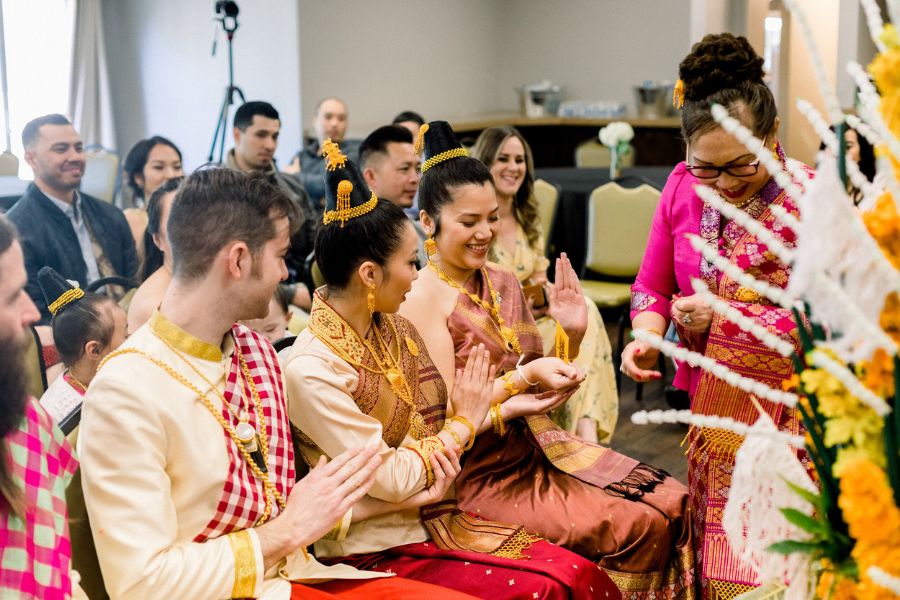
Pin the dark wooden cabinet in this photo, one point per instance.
(657, 142)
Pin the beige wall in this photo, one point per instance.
(597, 50)
(432, 56)
(465, 57)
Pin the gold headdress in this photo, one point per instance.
(58, 292)
(343, 185)
(439, 144)
(334, 158)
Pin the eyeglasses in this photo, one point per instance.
(705, 172)
(711, 172)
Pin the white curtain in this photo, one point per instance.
(90, 102)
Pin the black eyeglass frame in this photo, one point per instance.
(719, 170)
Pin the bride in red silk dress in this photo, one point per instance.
(628, 517)
(663, 287)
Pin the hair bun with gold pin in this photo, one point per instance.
(346, 194)
(440, 144)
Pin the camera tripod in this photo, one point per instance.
(229, 12)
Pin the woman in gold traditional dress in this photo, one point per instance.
(359, 374)
(591, 413)
(630, 518)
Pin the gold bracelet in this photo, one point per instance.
(453, 434)
(425, 448)
(654, 330)
(497, 420)
(508, 386)
(470, 427)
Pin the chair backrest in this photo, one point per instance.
(618, 225)
(9, 165)
(547, 196)
(35, 370)
(100, 172)
(593, 154)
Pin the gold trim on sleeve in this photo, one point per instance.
(244, 564)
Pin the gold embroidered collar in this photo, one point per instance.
(331, 328)
(182, 340)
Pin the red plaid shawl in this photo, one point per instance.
(243, 498)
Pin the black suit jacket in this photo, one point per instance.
(48, 239)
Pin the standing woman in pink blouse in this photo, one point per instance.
(725, 70)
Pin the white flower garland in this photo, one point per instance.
(785, 217)
(849, 380)
(870, 99)
(720, 371)
(746, 323)
(776, 294)
(658, 417)
(783, 178)
(832, 106)
(872, 335)
(863, 129)
(875, 22)
(829, 137)
(739, 216)
(884, 579)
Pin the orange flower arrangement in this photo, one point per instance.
(867, 503)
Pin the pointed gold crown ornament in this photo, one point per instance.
(345, 189)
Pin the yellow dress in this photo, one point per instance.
(597, 398)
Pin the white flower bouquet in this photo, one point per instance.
(616, 136)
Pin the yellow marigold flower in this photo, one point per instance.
(835, 587)
(884, 225)
(878, 373)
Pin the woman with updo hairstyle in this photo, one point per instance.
(361, 375)
(720, 69)
(592, 411)
(625, 516)
(148, 164)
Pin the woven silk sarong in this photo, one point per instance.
(628, 517)
(711, 452)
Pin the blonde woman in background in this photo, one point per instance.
(591, 413)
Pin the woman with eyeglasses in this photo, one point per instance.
(720, 69)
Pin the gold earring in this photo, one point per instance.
(430, 247)
(370, 299)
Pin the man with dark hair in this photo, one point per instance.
(35, 551)
(187, 461)
(80, 236)
(256, 129)
(390, 165)
(411, 120)
(391, 169)
(329, 122)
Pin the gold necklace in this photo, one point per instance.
(270, 491)
(493, 309)
(388, 367)
(397, 379)
(245, 431)
(75, 383)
